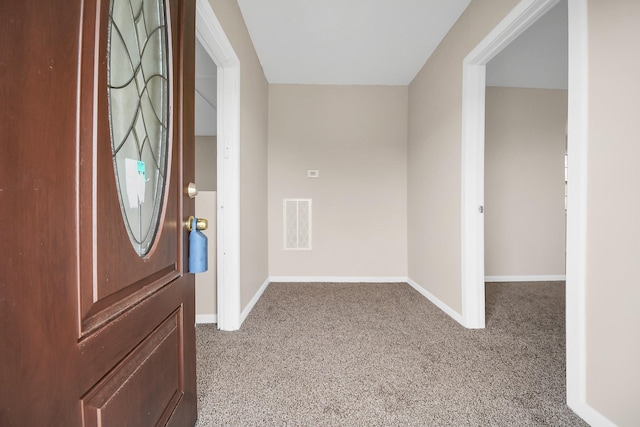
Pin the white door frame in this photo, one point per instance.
(212, 37)
(473, 120)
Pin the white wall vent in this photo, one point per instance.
(297, 224)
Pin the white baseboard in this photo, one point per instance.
(206, 318)
(591, 416)
(437, 302)
(337, 279)
(253, 301)
(548, 278)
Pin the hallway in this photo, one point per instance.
(381, 354)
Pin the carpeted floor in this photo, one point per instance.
(383, 355)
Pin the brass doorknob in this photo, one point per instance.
(201, 223)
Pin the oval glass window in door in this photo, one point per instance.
(139, 113)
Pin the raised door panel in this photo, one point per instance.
(123, 393)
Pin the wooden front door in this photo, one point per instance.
(92, 332)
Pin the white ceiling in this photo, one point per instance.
(375, 42)
(344, 42)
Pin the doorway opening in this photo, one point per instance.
(216, 46)
(525, 149)
(472, 204)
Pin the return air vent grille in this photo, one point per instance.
(297, 224)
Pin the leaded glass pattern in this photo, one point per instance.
(138, 92)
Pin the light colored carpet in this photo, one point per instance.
(382, 355)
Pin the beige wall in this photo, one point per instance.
(525, 140)
(253, 152)
(206, 168)
(435, 116)
(356, 137)
(206, 283)
(613, 246)
(206, 179)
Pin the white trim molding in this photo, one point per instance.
(473, 118)
(202, 319)
(538, 278)
(593, 417)
(337, 279)
(212, 37)
(436, 301)
(254, 301)
(577, 134)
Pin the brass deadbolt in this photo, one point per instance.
(192, 190)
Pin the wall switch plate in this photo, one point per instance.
(313, 173)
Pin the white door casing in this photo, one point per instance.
(472, 224)
(212, 37)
